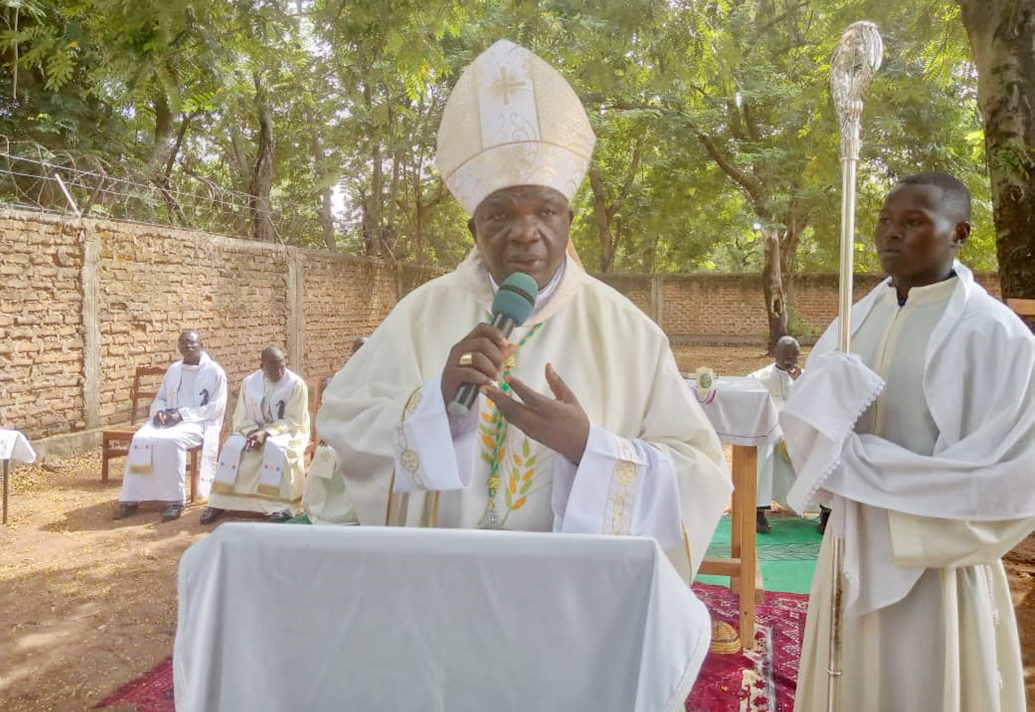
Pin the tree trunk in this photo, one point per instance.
(262, 172)
(372, 211)
(165, 133)
(388, 235)
(1002, 42)
(602, 218)
(789, 262)
(772, 287)
(418, 217)
(323, 214)
(163, 153)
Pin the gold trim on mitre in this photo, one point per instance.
(512, 120)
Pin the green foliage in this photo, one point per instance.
(711, 117)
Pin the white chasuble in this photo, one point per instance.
(929, 491)
(271, 478)
(157, 463)
(653, 466)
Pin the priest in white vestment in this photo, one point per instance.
(606, 437)
(775, 472)
(262, 464)
(186, 412)
(935, 483)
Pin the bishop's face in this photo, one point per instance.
(523, 229)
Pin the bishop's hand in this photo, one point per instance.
(559, 423)
(477, 358)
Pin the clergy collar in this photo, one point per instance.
(546, 292)
(939, 291)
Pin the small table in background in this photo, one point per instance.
(13, 446)
(744, 416)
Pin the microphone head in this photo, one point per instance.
(516, 297)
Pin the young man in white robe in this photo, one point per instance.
(775, 473)
(262, 464)
(934, 483)
(186, 412)
(604, 436)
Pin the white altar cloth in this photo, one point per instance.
(15, 447)
(294, 617)
(742, 412)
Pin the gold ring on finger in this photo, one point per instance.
(466, 359)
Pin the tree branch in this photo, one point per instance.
(744, 180)
(623, 192)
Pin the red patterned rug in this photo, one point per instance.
(764, 678)
(151, 693)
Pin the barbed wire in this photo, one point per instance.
(182, 200)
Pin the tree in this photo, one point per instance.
(1002, 40)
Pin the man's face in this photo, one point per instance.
(190, 347)
(917, 236)
(786, 357)
(274, 367)
(523, 229)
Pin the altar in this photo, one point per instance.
(744, 416)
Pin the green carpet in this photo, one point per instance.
(787, 555)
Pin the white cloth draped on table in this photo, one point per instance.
(376, 618)
(742, 412)
(15, 447)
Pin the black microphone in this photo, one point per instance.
(513, 304)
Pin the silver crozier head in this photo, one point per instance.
(857, 57)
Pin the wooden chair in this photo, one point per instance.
(316, 386)
(115, 441)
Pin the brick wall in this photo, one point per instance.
(83, 303)
(729, 308)
(334, 286)
(41, 336)
(154, 283)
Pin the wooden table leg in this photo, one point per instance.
(745, 461)
(6, 462)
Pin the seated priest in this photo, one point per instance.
(580, 420)
(262, 464)
(922, 440)
(775, 473)
(186, 412)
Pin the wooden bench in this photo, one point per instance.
(1023, 307)
(115, 441)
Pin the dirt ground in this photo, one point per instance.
(89, 604)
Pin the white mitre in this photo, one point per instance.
(512, 120)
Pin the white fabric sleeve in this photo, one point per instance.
(213, 411)
(433, 450)
(159, 403)
(621, 486)
(934, 543)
